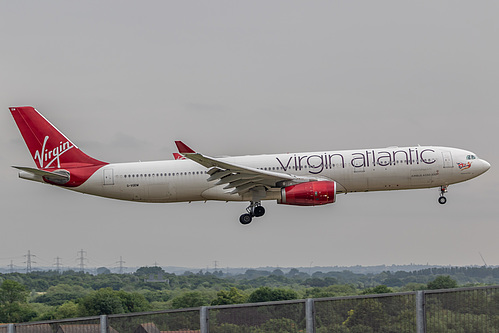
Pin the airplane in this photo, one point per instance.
(302, 179)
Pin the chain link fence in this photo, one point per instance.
(462, 310)
(80, 325)
(164, 321)
(467, 310)
(287, 316)
(383, 313)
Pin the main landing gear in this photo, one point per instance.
(254, 210)
(442, 199)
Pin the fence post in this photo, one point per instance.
(103, 324)
(310, 315)
(11, 328)
(203, 318)
(420, 312)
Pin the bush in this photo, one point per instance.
(266, 294)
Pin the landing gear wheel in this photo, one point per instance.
(442, 200)
(259, 211)
(245, 219)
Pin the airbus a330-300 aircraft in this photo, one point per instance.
(303, 179)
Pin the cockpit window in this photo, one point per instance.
(470, 157)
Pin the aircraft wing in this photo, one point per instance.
(241, 178)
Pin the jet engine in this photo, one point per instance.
(309, 194)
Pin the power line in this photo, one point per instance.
(82, 259)
(58, 264)
(29, 261)
(121, 262)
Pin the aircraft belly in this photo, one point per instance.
(423, 177)
(377, 179)
(218, 193)
(161, 192)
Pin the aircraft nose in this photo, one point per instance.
(485, 166)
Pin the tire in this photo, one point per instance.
(259, 211)
(245, 219)
(442, 200)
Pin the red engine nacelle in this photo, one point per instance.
(309, 194)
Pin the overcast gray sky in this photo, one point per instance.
(124, 79)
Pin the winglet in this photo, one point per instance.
(183, 148)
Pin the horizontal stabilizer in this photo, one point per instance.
(43, 173)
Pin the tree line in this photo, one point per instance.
(52, 295)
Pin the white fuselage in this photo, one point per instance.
(393, 168)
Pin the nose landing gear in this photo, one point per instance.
(442, 199)
(254, 210)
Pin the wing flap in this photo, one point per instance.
(219, 174)
(242, 182)
(244, 188)
(235, 177)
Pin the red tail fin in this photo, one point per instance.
(48, 147)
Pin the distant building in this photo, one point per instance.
(152, 328)
(37, 328)
(82, 328)
(147, 328)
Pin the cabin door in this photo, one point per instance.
(447, 158)
(108, 177)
